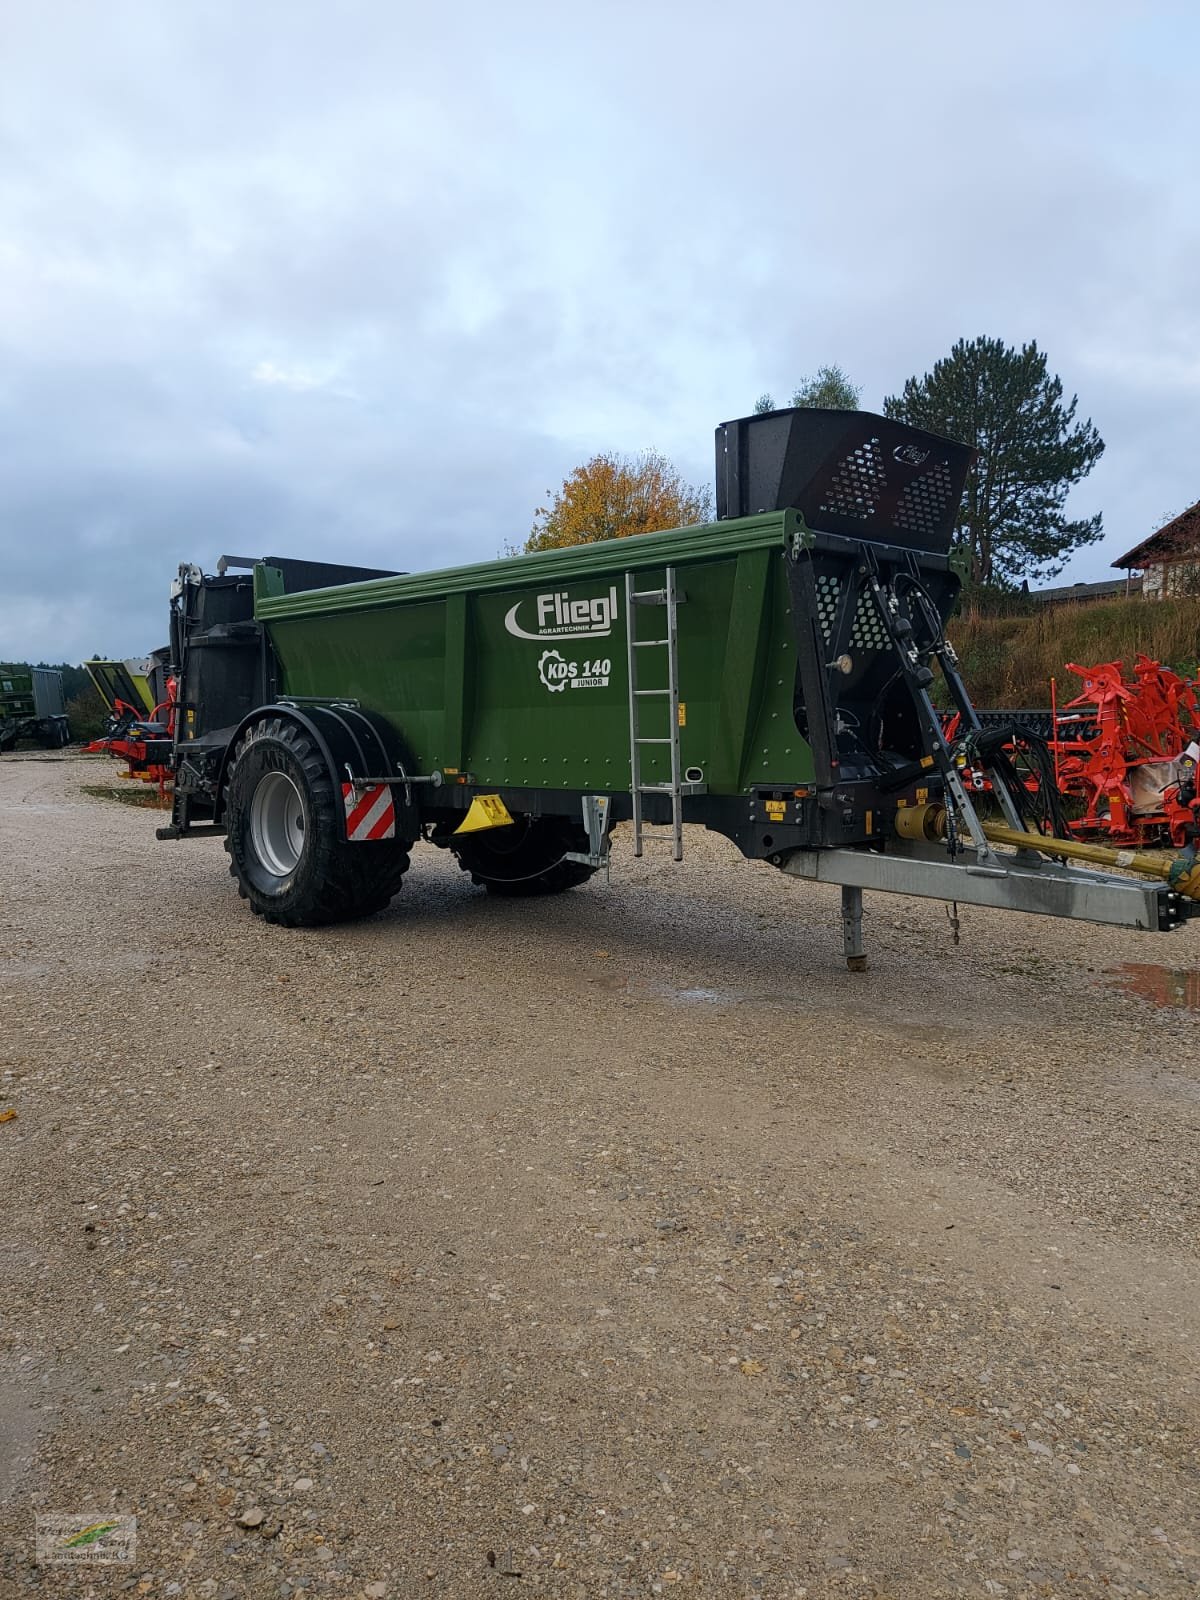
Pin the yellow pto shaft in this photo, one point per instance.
(1181, 872)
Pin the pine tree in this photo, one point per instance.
(1031, 452)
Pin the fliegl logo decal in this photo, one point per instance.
(557, 673)
(560, 617)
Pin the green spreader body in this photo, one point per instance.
(515, 672)
(766, 675)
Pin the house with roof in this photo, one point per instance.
(1084, 593)
(1169, 559)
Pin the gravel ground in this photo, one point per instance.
(618, 1244)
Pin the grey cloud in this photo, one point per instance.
(368, 280)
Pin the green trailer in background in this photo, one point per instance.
(32, 707)
(766, 676)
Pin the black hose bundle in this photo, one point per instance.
(1013, 753)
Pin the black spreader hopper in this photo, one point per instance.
(848, 472)
(871, 583)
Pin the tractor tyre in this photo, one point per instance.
(283, 822)
(379, 865)
(526, 858)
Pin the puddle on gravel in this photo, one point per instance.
(46, 808)
(24, 969)
(691, 996)
(715, 997)
(1171, 988)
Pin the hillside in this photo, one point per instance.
(1009, 660)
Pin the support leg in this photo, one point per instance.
(852, 929)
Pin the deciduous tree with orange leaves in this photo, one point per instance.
(612, 496)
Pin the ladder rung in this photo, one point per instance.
(669, 596)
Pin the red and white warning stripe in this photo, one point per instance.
(370, 813)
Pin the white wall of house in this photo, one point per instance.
(1168, 579)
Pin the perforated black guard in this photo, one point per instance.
(848, 472)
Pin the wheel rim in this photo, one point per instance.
(277, 823)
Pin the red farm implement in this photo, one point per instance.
(138, 732)
(1121, 757)
(1135, 773)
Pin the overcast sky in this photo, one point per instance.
(360, 280)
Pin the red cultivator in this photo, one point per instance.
(1125, 751)
(1132, 761)
(143, 742)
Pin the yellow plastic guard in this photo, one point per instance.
(487, 811)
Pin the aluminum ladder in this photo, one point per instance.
(668, 598)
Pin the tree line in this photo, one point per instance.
(1012, 523)
(75, 679)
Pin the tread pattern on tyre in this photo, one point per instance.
(334, 881)
(535, 867)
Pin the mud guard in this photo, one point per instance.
(360, 748)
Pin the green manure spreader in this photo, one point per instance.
(31, 707)
(767, 676)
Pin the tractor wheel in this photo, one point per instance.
(283, 835)
(525, 859)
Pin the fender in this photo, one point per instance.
(354, 745)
